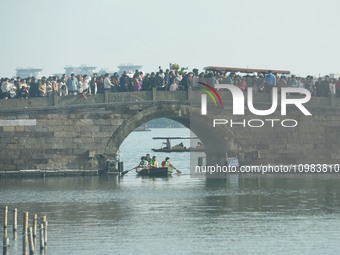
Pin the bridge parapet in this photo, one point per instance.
(142, 97)
(107, 97)
(62, 132)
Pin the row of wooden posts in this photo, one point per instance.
(29, 235)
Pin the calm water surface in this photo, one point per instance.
(179, 215)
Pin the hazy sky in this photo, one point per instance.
(301, 36)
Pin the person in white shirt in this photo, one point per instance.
(85, 84)
(173, 86)
(107, 83)
(332, 87)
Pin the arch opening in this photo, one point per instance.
(216, 144)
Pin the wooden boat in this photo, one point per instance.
(142, 128)
(174, 149)
(243, 70)
(159, 172)
(177, 148)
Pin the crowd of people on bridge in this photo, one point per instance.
(322, 86)
(168, 80)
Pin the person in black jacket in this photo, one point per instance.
(34, 88)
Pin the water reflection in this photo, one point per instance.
(145, 215)
(274, 194)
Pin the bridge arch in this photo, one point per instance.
(216, 143)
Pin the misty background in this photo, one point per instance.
(301, 36)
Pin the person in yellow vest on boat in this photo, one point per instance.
(154, 162)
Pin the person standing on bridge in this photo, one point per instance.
(72, 85)
(107, 83)
(269, 81)
(84, 85)
(337, 87)
(5, 88)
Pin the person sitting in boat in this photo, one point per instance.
(179, 146)
(167, 163)
(147, 158)
(154, 162)
(143, 163)
(167, 144)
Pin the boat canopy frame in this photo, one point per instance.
(244, 70)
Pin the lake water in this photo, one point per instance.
(179, 214)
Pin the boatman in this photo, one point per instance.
(167, 144)
(167, 163)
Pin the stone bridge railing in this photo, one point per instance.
(55, 101)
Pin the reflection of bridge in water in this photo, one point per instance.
(74, 133)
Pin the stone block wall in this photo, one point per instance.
(59, 140)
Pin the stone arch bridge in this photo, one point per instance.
(77, 133)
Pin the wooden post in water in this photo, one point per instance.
(42, 242)
(5, 242)
(45, 233)
(25, 234)
(15, 220)
(44, 220)
(6, 218)
(35, 222)
(15, 223)
(31, 242)
(120, 167)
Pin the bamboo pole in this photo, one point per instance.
(5, 242)
(44, 221)
(15, 220)
(35, 222)
(25, 237)
(6, 217)
(42, 242)
(31, 242)
(45, 232)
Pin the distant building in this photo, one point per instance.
(334, 75)
(28, 72)
(59, 75)
(103, 71)
(89, 70)
(128, 68)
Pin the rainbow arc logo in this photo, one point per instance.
(211, 91)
